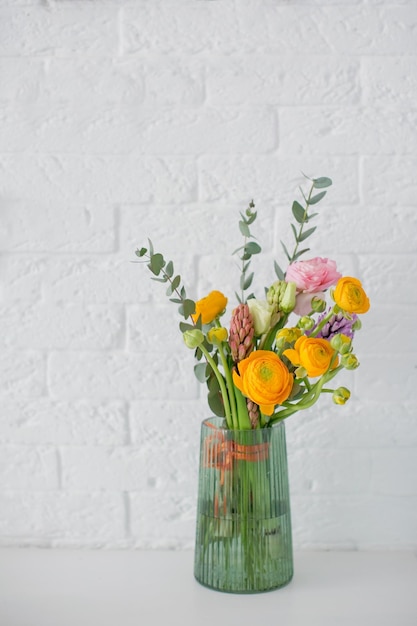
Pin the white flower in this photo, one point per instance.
(261, 313)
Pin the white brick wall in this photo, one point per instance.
(123, 119)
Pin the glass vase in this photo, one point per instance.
(243, 535)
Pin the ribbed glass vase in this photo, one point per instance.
(243, 536)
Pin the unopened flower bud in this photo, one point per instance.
(317, 304)
(287, 299)
(350, 361)
(287, 335)
(300, 372)
(341, 343)
(306, 322)
(217, 335)
(357, 324)
(193, 338)
(281, 295)
(341, 395)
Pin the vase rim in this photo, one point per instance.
(220, 423)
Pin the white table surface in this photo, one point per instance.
(146, 588)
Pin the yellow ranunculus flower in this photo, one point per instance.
(264, 379)
(313, 354)
(350, 295)
(210, 307)
(217, 335)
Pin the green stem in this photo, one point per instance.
(308, 399)
(230, 387)
(242, 411)
(269, 339)
(323, 322)
(222, 385)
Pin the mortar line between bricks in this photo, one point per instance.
(59, 469)
(128, 515)
(120, 21)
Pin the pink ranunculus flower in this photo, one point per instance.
(313, 276)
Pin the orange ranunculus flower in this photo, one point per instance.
(350, 295)
(210, 307)
(313, 354)
(264, 379)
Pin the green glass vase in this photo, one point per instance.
(243, 535)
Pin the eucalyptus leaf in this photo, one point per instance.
(317, 197)
(184, 326)
(278, 271)
(141, 252)
(159, 280)
(187, 308)
(296, 256)
(294, 230)
(251, 218)
(200, 372)
(298, 211)
(252, 248)
(156, 263)
(307, 233)
(287, 254)
(169, 269)
(320, 183)
(175, 282)
(246, 281)
(244, 229)
(216, 404)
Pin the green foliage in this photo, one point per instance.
(214, 396)
(246, 251)
(302, 217)
(163, 272)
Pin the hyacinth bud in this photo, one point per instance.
(305, 322)
(241, 333)
(254, 413)
(337, 323)
(317, 304)
(341, 395)
(193, 338)
(281, 295)
(350, 361)
(341, 343)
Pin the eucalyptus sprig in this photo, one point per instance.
(302, 217)
(164, 273)
(248, 249)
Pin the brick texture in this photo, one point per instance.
(128, 119)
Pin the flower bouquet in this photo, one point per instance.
(277, 356)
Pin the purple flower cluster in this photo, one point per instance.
(337, 324)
